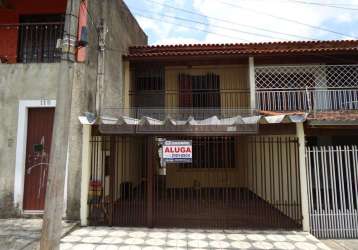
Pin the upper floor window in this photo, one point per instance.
(37, 38)
(199, 91)
(149, 86)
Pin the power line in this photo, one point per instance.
(343, 7)
(324, 4)
(230, 22)
(205, 31)
(217, 26)
(192, 28)
(283, 18)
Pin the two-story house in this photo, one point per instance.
(32, 45)
(272, 129)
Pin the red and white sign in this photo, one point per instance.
(178, 151)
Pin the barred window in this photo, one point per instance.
(199, 91)
(149, 86)
(212, 152)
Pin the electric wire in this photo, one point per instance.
(206, 31)
(343, 7)
(191, 27)
(329, 2)
(212, 25)
(231, 22)
(283, 18)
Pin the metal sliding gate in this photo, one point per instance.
(333, 190)
(118, 182)
(232, 182)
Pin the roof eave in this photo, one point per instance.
(237, 55)
(333, 122)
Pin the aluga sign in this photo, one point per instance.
(178, 151)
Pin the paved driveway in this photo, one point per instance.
(104, 238)
(23, 234)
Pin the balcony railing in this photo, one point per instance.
(307, 88)
(30, 42)
(224, 98)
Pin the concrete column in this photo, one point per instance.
(86, 169)
(126, 87)
(252, 83)
(303, 176)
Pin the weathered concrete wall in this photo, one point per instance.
(120, 37)
(81, 102)
(18, 82)
(123, 31)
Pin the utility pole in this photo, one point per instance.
(54, 203)
(102, 32)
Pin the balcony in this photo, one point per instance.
(30, 42)
(307, 88)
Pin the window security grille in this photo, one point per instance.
(307, 87)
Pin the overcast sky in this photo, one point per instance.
(221, 21)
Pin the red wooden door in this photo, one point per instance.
(38, 146)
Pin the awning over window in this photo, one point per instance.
(150, 125)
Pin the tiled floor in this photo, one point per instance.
(104, 238)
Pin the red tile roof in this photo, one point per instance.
(244, 49)
(271, 113)
(350, 115)
(346, 115)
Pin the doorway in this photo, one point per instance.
(38, 147)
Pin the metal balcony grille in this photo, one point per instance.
(30, 42)
(307, 88)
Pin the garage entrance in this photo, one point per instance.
(232, 182)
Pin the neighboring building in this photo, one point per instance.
(30, 56)
(274, 138)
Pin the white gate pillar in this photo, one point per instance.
(303, 176)
(252, 83)
(86, 168)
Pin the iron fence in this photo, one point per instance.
(251, 182)
(118, 181)
(307, 87)
(30, 42)
(246, 182)
(333, 186)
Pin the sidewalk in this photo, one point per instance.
(23, 234)
(341, 244)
